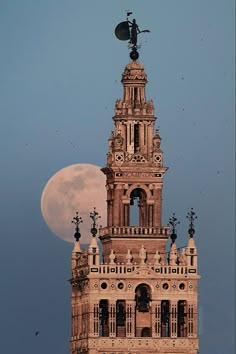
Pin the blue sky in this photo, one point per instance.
(60, 73)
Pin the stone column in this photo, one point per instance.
(173, 319)
(130, 320)
(112, 319)
(157, 207)
(156, 319)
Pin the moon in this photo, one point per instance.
(76, 188)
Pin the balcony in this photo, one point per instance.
(134, 231)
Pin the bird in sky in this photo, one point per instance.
(36, 333)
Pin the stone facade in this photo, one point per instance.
(141, 298)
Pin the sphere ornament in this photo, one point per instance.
(134, 55)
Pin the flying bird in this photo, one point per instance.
(36, 333)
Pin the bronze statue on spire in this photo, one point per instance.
(128, 30)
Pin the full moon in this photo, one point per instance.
(76, 188)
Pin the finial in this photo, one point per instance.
(173, 222)
(128, 30)
(77, 220)
(191, 215)
(157, 131)
(94, 216)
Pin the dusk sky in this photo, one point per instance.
(60, 73)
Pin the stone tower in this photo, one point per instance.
(142, 298)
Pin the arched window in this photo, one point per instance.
(120, 318)
(143, 320)
(104, 318)
(136, 138)
(146, 332)
(165, 318)
(139, 218)
(142, 297)
(182, 318)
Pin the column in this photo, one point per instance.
(130, 310)
(125, 214)
(173, 319)
(190, 320)
(157, 207)
(116, 207)
(156, 319)
(150, 215)
(112, 320)
(95, 321)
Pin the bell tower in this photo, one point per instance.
(134, 173)
(134, 296)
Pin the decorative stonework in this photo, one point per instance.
(138, 158)
(134, 71)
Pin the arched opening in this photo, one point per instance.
(142, 298)
(103, 318)
(136, 134)
(143, 311)
(165, 318)
(182, 318)
(120, 318)
(138, 214)
(134, 212)
(146, 332)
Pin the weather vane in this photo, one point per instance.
(128, 30)
(173, 222)
(191, 215)
(77, 220)
(94, 216)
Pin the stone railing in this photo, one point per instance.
(135, 231)
(174, 344)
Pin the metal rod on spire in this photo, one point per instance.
(77, 220)
(94, 216)
(173, 222)
(191, 216)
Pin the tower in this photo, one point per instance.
(142, 298)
